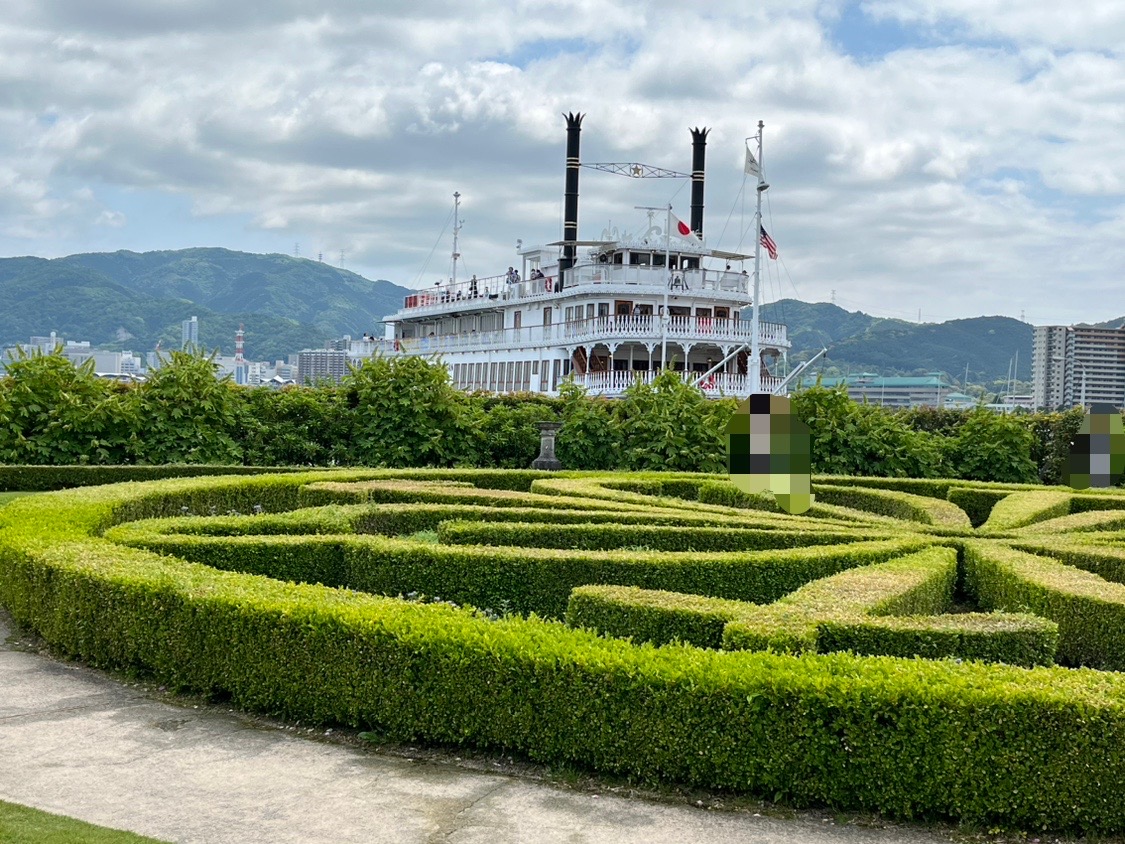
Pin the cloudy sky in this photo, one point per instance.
(957, 157)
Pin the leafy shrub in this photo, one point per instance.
(296, 426)
(669, 425)
(188, 415)
(406, 413)
(992, 447)
(853, 439)
(589, 437)
(507, 431)
(54, 413)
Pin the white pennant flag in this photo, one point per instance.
(752, 168)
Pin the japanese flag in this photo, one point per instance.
(682, 229)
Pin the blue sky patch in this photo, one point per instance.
(548, 48)
(868, 39)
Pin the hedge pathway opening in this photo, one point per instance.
(884, 651)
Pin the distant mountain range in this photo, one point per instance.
(858, 343)
(127, 300)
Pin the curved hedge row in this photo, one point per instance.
(909, 737)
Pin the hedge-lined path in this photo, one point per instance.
(74, 741)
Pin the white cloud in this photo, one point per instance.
(974, 170)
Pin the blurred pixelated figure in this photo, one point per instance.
(1097, 455)
(769, 450)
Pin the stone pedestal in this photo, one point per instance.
(546, 458)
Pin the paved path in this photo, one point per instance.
(77, 742)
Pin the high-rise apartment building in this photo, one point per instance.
(189, 333)
(1048, 362)
(316, 364)
(1078, 365)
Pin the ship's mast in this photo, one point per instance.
(755, 339)
(456, 232)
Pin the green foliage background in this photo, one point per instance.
(403, 412)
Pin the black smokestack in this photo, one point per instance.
(570, 210)
(698, 154)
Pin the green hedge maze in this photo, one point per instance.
(921, 648)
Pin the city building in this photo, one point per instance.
(932, 390)
(189, 333)
(1077, 365)
(314, 365)
(1048, 361)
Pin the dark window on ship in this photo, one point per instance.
(546, 316)
(603, 308)
(590, 311)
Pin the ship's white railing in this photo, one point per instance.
(441, 295)
(658, 277)
(651, 279)
(714, 386)
(605, 329)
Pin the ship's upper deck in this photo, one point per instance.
(723, 287)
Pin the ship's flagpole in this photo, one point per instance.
(667, 285)
(755, 338)
(456, 232)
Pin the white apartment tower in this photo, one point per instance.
(189, 333)
(1078, 365)
(1048, 361)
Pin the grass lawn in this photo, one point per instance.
(21, 825)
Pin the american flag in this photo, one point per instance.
(767, 242)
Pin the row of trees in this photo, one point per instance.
(404, 412)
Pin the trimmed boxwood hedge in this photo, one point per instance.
(649, 537)
(525, 580)
(977, 503)
(1089, 610)
(907, 737)
(888, 608)
(15, 478)
(1024, 508)
(898, 505)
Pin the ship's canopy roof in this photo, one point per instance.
(633, 246)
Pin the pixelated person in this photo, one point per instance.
(769, 450)
(1097, 455)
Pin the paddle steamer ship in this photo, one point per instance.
(605, 312)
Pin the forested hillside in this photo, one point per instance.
(286, 303)
(860, 343)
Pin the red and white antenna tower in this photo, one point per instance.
(239, 343)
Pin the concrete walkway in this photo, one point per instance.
(78, 742)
